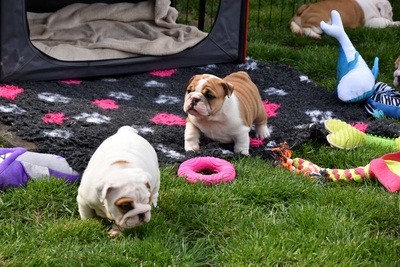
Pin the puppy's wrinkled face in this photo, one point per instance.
(385, 9)
(129, 201)
(205, 95)
(133, 212)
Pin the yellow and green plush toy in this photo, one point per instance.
(345, 136)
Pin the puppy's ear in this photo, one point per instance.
(103, 191)
(228, 88)
(190, 81)
(151, 193)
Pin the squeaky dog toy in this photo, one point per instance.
(385, 169)
(355, 80)
(17, 166)
(344, 136)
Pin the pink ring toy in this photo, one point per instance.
(224, 171)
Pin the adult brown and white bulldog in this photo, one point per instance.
(354, 14)
(224, 110)
(121, 181)
(396, 73)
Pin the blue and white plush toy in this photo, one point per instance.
(356, 80)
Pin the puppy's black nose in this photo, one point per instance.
(142, 216)
(195, 101)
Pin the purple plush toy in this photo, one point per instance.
(17, 166)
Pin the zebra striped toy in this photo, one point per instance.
(384, 102)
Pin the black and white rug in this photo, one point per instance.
(71, 118)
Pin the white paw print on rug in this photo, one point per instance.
(250, 64)
(304, 78)
(58, 133)
(275, 91)
(153, 83)
(319, 116)
(227, 152)
(169, 152)
(93, 118)
(55, 98)
(166, 99)
(143, 129)
(12, 108)
(120, 95)
(208, 67)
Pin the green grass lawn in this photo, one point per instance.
(267, 216)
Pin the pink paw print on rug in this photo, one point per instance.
(57, 118)
(361, 126)
(271, 108)
(163, 73)
(10, 92)
(105, 103)
(71, 82)
(168, 119)
(254, 142)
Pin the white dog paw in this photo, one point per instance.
(242, 148)
(114, 233)
(296, 28)
(245, 153)
(191, 147)
(262, 131)
(312, 32)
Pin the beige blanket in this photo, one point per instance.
(108, 31)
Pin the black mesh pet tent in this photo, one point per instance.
(21, 59)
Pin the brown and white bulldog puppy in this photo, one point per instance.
(396, 73)
(354, 14)
(224, 110)
(121, 181)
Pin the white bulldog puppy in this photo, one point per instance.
(377, 13)
(354, 14)
(121, 181)
(224, 110)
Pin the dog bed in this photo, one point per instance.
(107, 31)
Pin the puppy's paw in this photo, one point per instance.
(245, 153)
(262, 131)
(190, 146)
(296, 29)
(313, 32)
(242, 148)
(114, 233)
